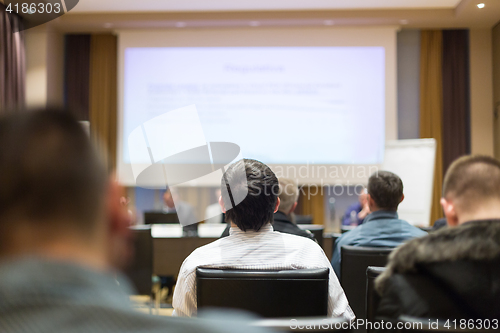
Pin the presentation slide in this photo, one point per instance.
(280, 105)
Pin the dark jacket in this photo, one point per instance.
(282, 223)
(452, 273)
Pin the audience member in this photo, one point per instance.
(185, 212)
(63, 233)
(252, 243)
(213, 213)
(282, 219)
(355, 214)
(453, 273)
(288, 195)
(382, 228)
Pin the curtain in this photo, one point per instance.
(103, 94)
(312, 202)
(456, 95)
(12, 62)
(431, 106)
(76, 75)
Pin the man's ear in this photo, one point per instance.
(449, 212)
(293, 207)
(277, 204)
(402, 198)
(119, 235)
(371, 203)
(221, 204)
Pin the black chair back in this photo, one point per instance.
(354, 262)
(372, 298)
(140, 270)
(270, 294)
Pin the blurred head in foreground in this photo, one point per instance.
(56, 199)
(257, 185)
(471, 190)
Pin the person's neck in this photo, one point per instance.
(56, 246)
(490, 211)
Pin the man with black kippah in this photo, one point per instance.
(382, 227)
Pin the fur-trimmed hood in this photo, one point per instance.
(473, 241)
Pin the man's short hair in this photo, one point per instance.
(289, 193)
(49, 171)
(472, 179)
(257, 208)
(386, 189)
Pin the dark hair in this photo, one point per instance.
(49, 171)
(472, 179)
(250, 191)
(386, 189)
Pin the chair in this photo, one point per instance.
(310, 324)
(426, 325)
(271, 294)
(372, 298)
(354, 262)
(140, 269)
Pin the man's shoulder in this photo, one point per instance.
(477, 241)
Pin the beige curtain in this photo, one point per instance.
(103, 95)
(12, 62)
(312, 202)
(431, 105)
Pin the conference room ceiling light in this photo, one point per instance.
(180, 24)
(254, 23)
(403, 21)
(328, 22)
(108, 25)
(480, 5)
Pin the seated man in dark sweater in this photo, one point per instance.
(453, 273)
(289, 194)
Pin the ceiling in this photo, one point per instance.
(93, 6)
(109, 15)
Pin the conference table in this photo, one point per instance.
(170, 248)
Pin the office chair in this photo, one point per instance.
(372, 298)
(354, 262)
(140, 270)
(270, 294)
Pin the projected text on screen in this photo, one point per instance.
(281, 105)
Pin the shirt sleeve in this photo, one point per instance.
(338, 305)
(184, 298)
(336, 257)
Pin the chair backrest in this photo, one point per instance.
(309, 324)
(271, 294)
(140, 270)
(354, 262)
(372, 298)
